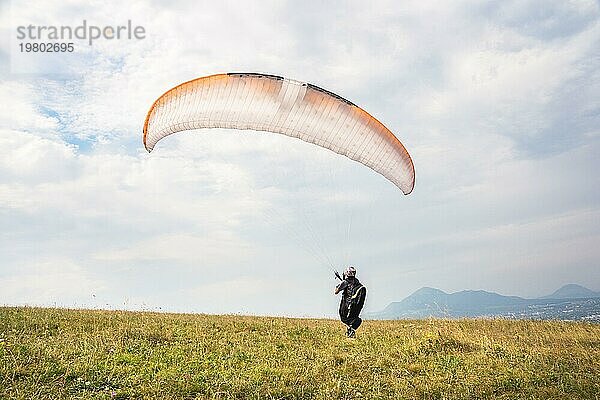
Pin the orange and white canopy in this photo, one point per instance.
(274, 104)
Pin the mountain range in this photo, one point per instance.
(570, 302)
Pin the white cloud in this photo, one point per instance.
(19, 109)
(25, 157)
(496, 104)
(206, 252)
(49, 282)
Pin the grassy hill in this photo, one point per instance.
(54, 353)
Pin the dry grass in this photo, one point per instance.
(53, 353)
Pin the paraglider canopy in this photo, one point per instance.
(275, 104)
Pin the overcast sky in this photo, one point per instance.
(498, 104)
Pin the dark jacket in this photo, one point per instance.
(353, 299)
(348, 287)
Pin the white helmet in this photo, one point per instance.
(350, 271)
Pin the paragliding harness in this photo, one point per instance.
(358, 294)
(357, 298)
(352, 303)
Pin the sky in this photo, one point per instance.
(498, 104)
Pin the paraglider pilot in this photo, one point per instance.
(353, 299)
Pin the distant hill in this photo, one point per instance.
(572, 291)
(574, 303)
(430, 302)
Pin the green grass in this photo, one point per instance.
(79, 354)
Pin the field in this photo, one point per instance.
(54, 353)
